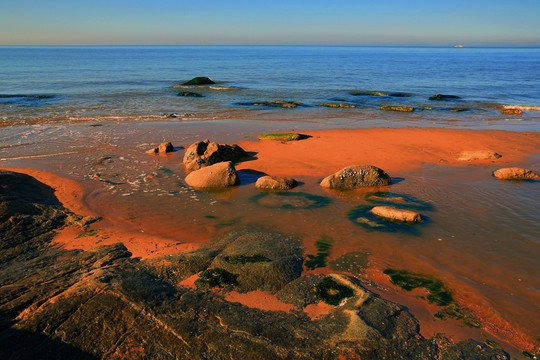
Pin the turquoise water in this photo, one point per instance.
(128, 83)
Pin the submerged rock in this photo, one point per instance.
(200, 80)
(511, 111)
(189, 94)
(205, 153)
(397, 108)
(275, 183)
(516, 173)
(217, 176)
(393, 213)
(277, 103)
(357, 176)
(380, 93)
(161, 149)
(290, 136)
(471, 155)
(337, 105)
(440, 97)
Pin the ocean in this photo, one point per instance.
(49, 84)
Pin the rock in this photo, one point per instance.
(200, 80)
(478, 155)
(217, 176)
(277, 103)
(397, 108)
(292, 136)
(161, 149)
(189, 94)
(357, 176)
(393, 213)
(516, 173)
(441, 97)
(337, 105)
(511, 111)
(275, 183)
(379, 93)
(205, 153)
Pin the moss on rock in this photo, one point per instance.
(332, 292)
(215, 277)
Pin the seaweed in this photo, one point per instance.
(438, 294)
(231, 222)
(331, 292)
(244, 259)
(290, 136)
(89, 233)
(323, 245)
(216, 277)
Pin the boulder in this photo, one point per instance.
(275, 183)
(161, 149)
(511, 111)
(220, 175)
(205, 153)
(516, 173)
(189, 94)
(478, 155)
(357, 176)
(397, 108)
(441, 97)
(393, 213)
(200, 80)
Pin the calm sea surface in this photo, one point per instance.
(482, 236)
(69, 83)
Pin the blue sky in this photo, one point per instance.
(303, 22)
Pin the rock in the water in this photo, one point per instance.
(337, 105)
(275, 183)
(200, 80)
(440, 97)
(357, 176)
(189, 94)
(220, 175)
(205, 153)
(511, 111)
(393, 213)
(283, 136)
(397, 108)
(478, 155)
(277, 103)
(161, 149)
(516, 173)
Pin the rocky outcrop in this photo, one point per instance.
(471, 155)
(356, 176)
(275, 183)
(397, 108)
(441, 97)
(161, 149)
(516, 173)
(393, 213)
(337, 105)
(217, 176)
(205, 153)
(189, 94)
(200, 80)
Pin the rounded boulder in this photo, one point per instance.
(357, 176)
(217, 176)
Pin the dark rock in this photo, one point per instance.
(162, 149)
(380, 93)
(300, 292)
(441, 97)
(201, 80)
(189, 94)
(397, 108)
(353, 263)
(337, 105)
(275, 183)
(277, 103)
(216, 176)
(205, 153)
(357, 176)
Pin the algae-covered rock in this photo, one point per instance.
(189, 94)
(287, 136)
(397, 108)
(337, 105)
(440, 97)
(332, 292)
(276, 103)
(215, 277)
(200, 80)
(356, 176)
(300, 292)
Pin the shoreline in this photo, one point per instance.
(394, 150)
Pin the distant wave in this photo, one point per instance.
(522, 107)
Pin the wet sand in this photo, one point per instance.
(394, 150)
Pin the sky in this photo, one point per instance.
(292, 22)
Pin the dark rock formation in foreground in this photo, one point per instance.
(206, 153)
(104, 304)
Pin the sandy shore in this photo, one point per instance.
(325, 152)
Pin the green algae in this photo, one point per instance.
(337, 105)
(88, 233)
(331, 292)
(290, 136)
(438, 294)
(397, 108)
(226, 223)
(244, 259)
(323, 246)
(215, 277)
